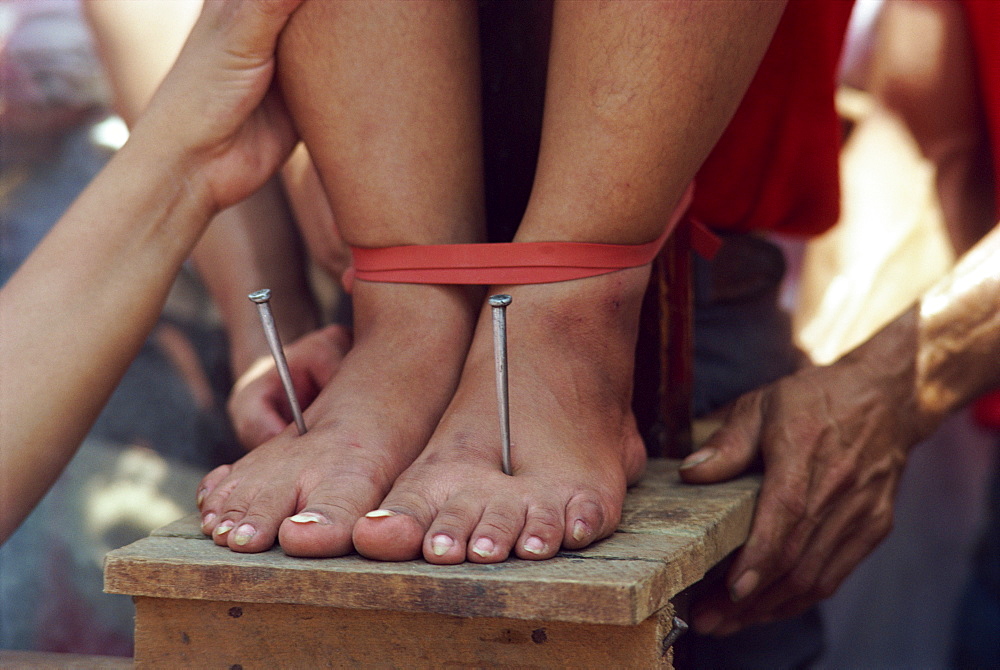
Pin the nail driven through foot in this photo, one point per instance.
(262, 299)
(499, 304)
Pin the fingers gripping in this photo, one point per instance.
(732, 448)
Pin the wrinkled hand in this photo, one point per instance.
(218, 106)
(258, 406)
(833, 441)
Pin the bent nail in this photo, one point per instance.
(697, 458)
(440, 544)
(244, 534)
(483, 547)
(380, 513)
(306, 517)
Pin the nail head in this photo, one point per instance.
(260, 296)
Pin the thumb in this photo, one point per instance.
(251, 27)
(731, 449)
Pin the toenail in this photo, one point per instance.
(201, 496)
(483, 547)
(534, 545)
(224, 527)
(380, 513)
(580, 530)
(207, 519)
(244, 534)
(306, 517)
(440, 544)
(697, 458)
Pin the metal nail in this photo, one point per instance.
(499, 304)
(679, 628)
(262, 299)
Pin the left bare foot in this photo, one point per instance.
(575, 445)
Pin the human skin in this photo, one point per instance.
(834, 440)
(77, 311)
(638, 93)
(249, 246)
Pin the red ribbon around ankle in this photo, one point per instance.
(509, 263)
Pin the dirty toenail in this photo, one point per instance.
(483, 547)
(207, 519)
(224, 527)
(201, 496)
(534, 545)
(244, 534)
(440, 544)
(380, 513)
(306, 517)
(580, 530)
(697, 458)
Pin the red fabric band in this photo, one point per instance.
(508, 263)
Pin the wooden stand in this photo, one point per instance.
(610, 605)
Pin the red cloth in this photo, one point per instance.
(775, 167)
(511, 263)
(984, 29)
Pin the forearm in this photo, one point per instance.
(250, 246)
(942, 353)
(109, 261)
(959, 345)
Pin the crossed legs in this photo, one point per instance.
(386, 96)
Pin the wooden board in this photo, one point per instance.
(206, 634)
(670, 535)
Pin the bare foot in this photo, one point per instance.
(365, 427)
(575, 446)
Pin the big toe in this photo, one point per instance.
(314, 533)
(389, 535)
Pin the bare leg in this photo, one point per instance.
(638, 93)
(386, 98)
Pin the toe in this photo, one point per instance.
(253, 531)
(447, 538)
(395, 531)
(588, 519)
(210, 482)
(314, 533)
(494, 536)
(543, 532)
(322, 527)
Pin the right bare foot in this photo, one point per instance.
(365, 428)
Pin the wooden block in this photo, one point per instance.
(671, 535)
(188, 633)
(609, 605)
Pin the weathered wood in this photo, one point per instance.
(39, 660)
(670, 535)
(188, 633)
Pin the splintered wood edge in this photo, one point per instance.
(671, 535)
